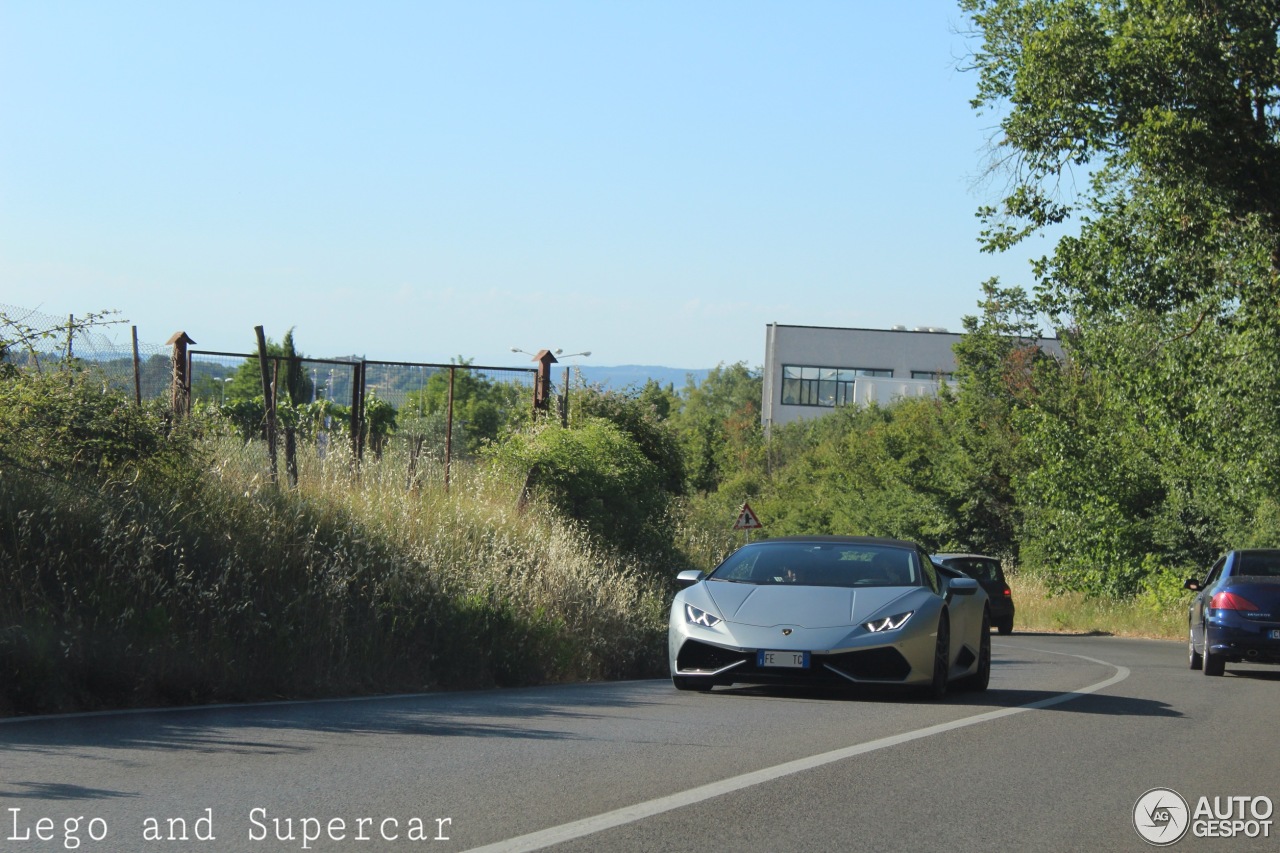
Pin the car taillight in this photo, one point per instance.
(1231, 601)
(1007, 593)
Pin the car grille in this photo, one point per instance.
(870, 665)
(883, 664)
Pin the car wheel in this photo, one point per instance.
(1197, 659)
(941, 659)
(1005, 626)
(982, 675)
(1213, 664)
(684, 682)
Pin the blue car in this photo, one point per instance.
(1235, 616)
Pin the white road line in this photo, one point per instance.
(629, 814)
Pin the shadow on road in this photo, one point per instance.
(1258, 674)
(1091, 703)
(60, 791)
(293, 727)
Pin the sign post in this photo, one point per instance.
(747, 520)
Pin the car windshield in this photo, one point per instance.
(983, 570)
(821, 564)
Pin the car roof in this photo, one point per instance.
(957, 556)
(846, 540)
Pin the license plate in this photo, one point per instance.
(1274, 633)
(792, 660)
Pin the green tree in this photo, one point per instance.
(483, 409)
(719, 426)
(637, 416)
(1173, 100)
(663, 401)
(1000, 370)
(1157, 443)
(294, 384)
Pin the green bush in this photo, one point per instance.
(596, 475)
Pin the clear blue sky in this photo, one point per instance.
(652, 181)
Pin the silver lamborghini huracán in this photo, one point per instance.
(830, 609)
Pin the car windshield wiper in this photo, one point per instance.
(732, 580)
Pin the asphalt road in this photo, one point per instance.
(1073, 731)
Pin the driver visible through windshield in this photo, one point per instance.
(821, 564)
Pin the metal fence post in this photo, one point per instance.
(357, 409)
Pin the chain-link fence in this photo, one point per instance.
(30, 340)
(416, 417)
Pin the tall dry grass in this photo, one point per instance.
(211, 583)
(1157, 615)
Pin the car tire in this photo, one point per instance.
(937, 688)
(684, 682)
(1197, 659)
(1005, 626)
(982, 675)
(1213, 664)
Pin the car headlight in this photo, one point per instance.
(888, 623)
(701, 617)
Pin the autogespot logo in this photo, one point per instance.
(1161, 816)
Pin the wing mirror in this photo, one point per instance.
(1193, 584)
(962, 586)
(688, 578)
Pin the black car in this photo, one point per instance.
(987, 572)
(1235, 616)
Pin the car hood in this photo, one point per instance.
(805, 606)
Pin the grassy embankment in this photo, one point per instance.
(1158, 617)
(196, 582)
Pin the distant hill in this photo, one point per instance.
(636, 375)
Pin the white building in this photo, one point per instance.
(809, 370)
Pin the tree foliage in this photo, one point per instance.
(482, 408)
(293, 385)
(597, 475)
(640, 416)
(719, 426)
(1156, 443)
(1176, 94)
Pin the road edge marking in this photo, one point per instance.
(630, 814)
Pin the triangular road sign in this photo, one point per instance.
(747, 519)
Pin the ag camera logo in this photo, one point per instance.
(1161, 817)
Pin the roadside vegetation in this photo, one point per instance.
(141, 563)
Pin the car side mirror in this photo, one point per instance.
(688, 578)
(1193, 584)
(962, 586)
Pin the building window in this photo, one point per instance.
(823, 386)
(935, 375)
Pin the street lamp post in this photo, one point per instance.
(564, 410)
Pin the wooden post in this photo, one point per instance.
(268, 401)
(180, 384)
(542, 384)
